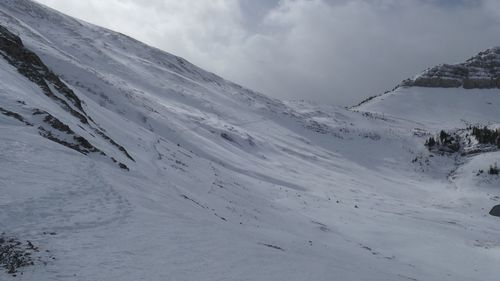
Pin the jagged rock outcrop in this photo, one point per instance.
(28, 64)
(479, 72)
(495, 211)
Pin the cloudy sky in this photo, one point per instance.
(331, 51)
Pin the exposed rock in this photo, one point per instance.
(479, 72)
(14, 115)
(15, 254)
(495, 211)
(31, 66)
(227, 137)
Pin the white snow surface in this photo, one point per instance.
(229, 184)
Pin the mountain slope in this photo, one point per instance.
(481, 71)
(218, 182)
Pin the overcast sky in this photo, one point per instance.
(333, 51)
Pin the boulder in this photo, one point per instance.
(495, 211)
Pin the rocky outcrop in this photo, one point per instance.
(31, 66)
(479, 72)
(495, 211)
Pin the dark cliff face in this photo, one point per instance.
(479, 72)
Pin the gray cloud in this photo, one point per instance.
(336, 51)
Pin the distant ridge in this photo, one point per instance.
(482, 71)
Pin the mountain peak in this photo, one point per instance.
(481, 71)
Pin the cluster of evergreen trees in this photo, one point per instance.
(493, 170)
(444, 142)
(486, 136)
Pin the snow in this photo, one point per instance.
(427, 106)
(229, 184)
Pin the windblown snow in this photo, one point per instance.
(119, 161)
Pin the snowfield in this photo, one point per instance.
(223, 183)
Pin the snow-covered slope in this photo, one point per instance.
(121, 162)
(438, 108)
